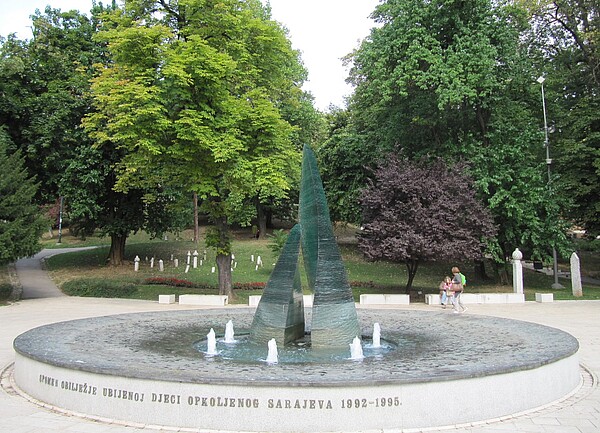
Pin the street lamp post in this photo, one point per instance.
(60, 215)
(541, 80)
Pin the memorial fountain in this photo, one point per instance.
(158, 369)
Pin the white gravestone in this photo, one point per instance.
(189, 257)
(161, 266)
(195, 259)
(517, 271)
(576, 276)
(176, 263)
(152, 262)
(136, 263)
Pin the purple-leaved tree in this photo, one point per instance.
(417, 211)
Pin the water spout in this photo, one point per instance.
(356, 351)
(376, 335)
(272, 357)
(229, 332)
(211, 344)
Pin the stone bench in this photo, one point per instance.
(383, 299)
(544, 297)
(253, 300)
(481, 298)
(219, 300)
(166, 299)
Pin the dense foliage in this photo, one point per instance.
(195, 96)
(455, 80)
(419, 211)
(21, 223)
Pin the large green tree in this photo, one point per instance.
(194, 97)
(44, 82)
(21, 223)
(566, 35)
(452, 79)
(46, 88)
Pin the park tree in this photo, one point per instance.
(421, 211)
(21, 223)
(193, 97)
(346, 158)
(566, 35)
(46, 84)
(454, 80)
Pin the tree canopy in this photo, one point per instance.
(194, 97)
(417, 211)
(453, 80)
(21, 223)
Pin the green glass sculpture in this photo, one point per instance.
(280, 312)
(334, 318)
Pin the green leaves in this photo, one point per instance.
(21, 224)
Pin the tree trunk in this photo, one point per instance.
(224, 258)
(196, 226)
(262, 221)
(501, 273)
(224, 267)
(480, 270)
(412, 266)
(117, 249)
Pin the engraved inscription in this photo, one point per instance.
(165, 398)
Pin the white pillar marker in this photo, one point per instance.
(517, 271)
(576, 276)
(136, 263)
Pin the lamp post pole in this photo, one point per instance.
(541, 80)
(60, 215)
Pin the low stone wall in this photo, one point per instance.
(384, 299)
(482, 298)
(253, 300)
(544, 297)
(219, 300)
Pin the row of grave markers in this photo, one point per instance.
(193, 258)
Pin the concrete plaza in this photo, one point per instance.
(44, 304)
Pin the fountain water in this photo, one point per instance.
(229, 334)
(272, 357)
(356, 351)
(376, 335)
(211, 343)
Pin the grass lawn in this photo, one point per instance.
(87, 271)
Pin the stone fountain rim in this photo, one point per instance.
(529, 346)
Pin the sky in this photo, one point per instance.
(324, 31)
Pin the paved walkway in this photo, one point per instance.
(579, 413)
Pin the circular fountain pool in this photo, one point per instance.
(148, 368)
